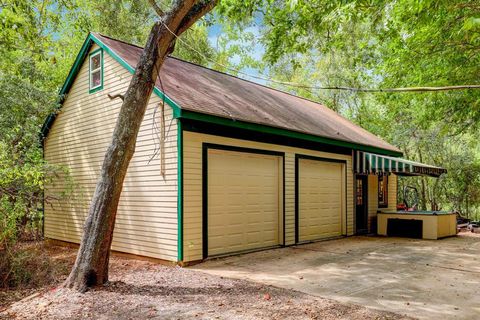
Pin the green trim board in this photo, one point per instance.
(283, 202)
(76, 67)
(205, 147)
(250, 135)
(180, 191)
(100, 87)
(282, 132)
(298, 157)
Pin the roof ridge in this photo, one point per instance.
(315, 105)
(227, 74)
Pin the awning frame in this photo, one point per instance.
(371, 163)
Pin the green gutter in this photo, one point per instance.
(76, 66)
(284, 132)
(180, 190)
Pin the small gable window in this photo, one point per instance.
(96, 70)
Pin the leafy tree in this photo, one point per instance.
(130, 21)
(26, 98)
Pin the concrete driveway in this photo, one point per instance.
(427, 279)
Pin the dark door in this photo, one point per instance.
(361, 204)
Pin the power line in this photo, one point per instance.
(409, 89)
(340, 88)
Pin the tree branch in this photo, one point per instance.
(157, 9)
(118, 95)
(195, 13)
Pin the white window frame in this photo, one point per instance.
(96, 53)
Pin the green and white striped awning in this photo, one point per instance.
(371, 163)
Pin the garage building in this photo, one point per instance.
(222, 165)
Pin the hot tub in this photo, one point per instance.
(417, 224)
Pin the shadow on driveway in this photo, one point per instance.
(427, 279)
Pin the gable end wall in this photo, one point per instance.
(146, 221)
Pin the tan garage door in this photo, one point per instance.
(243, 201)
(321, 199)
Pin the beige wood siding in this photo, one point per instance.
(321, 199)
(147, 213)
(244, 201)
(392, 192)
(192, 151)
(373, 198)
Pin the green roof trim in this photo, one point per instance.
(82, 55)
(283, 132)
(180, 191)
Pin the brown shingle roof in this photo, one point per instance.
(199, 89)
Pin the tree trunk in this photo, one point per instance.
(91, 265)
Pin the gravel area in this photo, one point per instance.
(143, 290)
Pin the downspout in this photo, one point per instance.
(43, 191)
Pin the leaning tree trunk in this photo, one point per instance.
(91, 265)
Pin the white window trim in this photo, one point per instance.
(91, 72)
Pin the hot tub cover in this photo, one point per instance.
(371, 163)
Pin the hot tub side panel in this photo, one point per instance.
(447, 225)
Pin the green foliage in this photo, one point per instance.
(23, 171)
(194, 46)
(127, 20)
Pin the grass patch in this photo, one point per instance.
(30, 266)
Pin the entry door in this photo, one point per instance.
(244, 196)
(361, 204)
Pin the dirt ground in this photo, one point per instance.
(141, 290)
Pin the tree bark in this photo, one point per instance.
(91, 265)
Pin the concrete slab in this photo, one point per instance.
(427, 279)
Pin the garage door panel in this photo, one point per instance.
(243, 201)
(321, 194)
